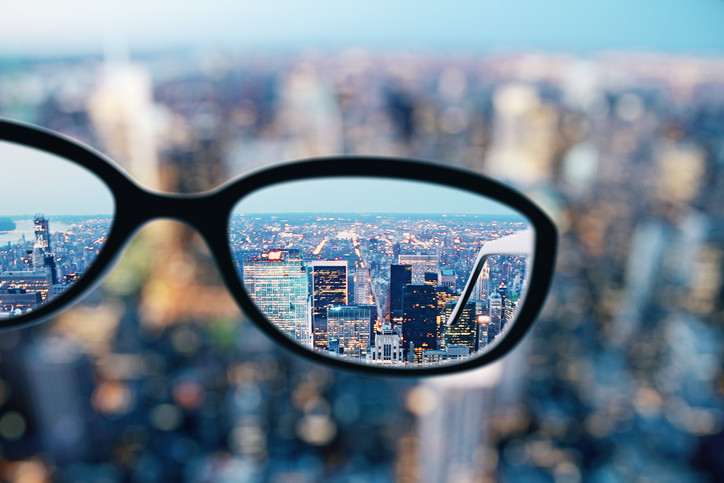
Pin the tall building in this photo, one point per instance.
(443, 296)
(349, 325)
(42, 232)
(277, 283)
(329, 288)
(495, 309)
(121, 108)
(400, 275)
(420, 264)
(419, 320)
(509, 307)
(484, 324)
(387, 348)
(43, 259)
(363, 287)
(465, 331)
(481, 291)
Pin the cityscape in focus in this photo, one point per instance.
(380, 288)
(37, 264)
(157, 375)
(368, 288)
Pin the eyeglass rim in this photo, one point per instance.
(209, 213)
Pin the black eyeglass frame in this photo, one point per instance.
(209, 213)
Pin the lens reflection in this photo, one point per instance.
(370, 270)
(54, 219)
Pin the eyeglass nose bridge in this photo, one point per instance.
(196, 210)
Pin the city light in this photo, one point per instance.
(356, 286)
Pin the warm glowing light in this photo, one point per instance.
(318, 250)
(275, 255)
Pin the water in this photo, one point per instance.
(27, 228)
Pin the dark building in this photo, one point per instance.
(431, 278)
(400, 275)
(465, 330)
(419, 319)
(329, 288)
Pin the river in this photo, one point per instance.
(27, 228)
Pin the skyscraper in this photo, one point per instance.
(43, 259)
(482, 287)
(277, 283)
(387, 348)
(350, 326)
(420, 319)
(420, 264)
(495, 309)
(400, 275)
(329, 288)
(42, 232)
(465, 331)
(362, 287)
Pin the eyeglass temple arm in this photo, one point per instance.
(520, 243)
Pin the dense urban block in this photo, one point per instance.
(379, 288)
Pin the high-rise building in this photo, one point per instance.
(374, 325)
(363, 287)
(42, 257)
(482, 287)
(122, 112)
(349, 325)
(420, 319)
(483, 324)
(42, 232)
(38, 256)
(495, 309)
(443, 296)
(277, 283)
(329, 288)
(465, 331)
(387, 348)
(420, 264)
(400, 275)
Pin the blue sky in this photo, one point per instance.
(350, 195)
(50, 27)
(37, 182)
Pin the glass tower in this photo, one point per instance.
(277, 283)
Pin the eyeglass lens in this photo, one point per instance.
(370, 269)
(54, 219)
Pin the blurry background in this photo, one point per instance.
(609, 115)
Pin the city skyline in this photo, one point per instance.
(38, 267)
(380, 288)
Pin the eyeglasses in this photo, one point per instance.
(382, 265)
